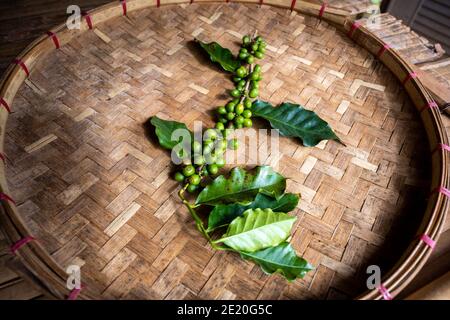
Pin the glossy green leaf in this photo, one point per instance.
(281, 259)
(292, 120)
(243, 186)
(223, 214)
(164, 130)
(220, 55)
(258, 229)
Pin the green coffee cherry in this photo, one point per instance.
(230, 107)
(241, 72)
(233, 144)
(253, 93)
(247, 123)
(247, 103)
(199, 160)
(221, 145)
(257, 68)
(227, 132)
(213, 169)
(239, 108)
(255, 76)
(250, 59)
(221, 110)
(243, 56)
(194, 179)
(220, 162)
(236, 79)
(220, 126)
(235, 93)
(259, 55)
(239, 120)
(210, 134)
(223, 120)
(255, 47)
(207, 146)
(196, 146)
(246, 40)
(179, 177)
(191, 188)
(230, 115)
(247, 114)
(188, 171)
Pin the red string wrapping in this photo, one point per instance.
(355, 25)
(385, 293)
(23, 66)
(88, 20)
(5, 105)
(408, 77)
(382, 50)
(322, 10)
(293, 4)
(124, 6)
(19, 244)
(428, 241)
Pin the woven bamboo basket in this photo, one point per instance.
(82, 184)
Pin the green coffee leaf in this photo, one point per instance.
(221, 55)
(242, 186)
(281, 259)
(164, 130)
(223, 214)
(258, 229)
(292, 120)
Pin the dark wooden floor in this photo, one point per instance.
(22, 21)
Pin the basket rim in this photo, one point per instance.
(38, 261)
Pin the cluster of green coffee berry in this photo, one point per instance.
(208, 157)
(205, 158)
(237, 113)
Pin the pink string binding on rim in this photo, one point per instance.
(442, 190)
(322, 10)
(408, 77)
(5, 197)
(124, 6)
(293, 4)
(5, 105)
(19, 244)
(54, 38)
(385, 293)
(73, 295)
(382, 50)
(23, 66)
(429, 105)
(2, 156)
(88, 19)
(441, 146)
(428, 241)
(355, 25)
